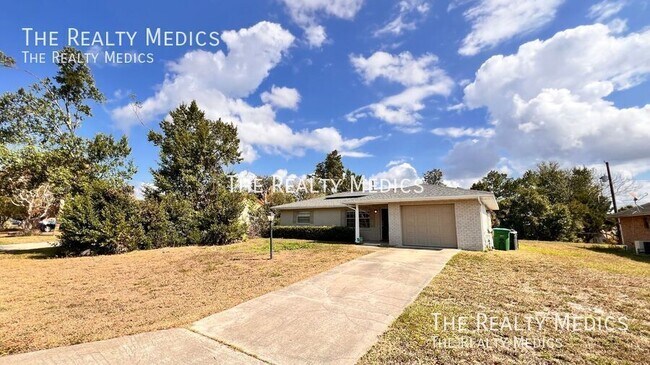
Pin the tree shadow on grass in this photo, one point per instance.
(619, 251)
(37, 253)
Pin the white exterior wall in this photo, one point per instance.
(469, 225)
(394, 224)
(486, 228)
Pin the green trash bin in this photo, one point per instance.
(502, 239)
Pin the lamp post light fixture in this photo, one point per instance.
(271, 217)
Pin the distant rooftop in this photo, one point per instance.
(638, 211)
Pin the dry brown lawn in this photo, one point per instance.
(541, 279)
(48, 302)
(8, 239)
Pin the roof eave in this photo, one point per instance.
(487, 199)
(639, 214)
(492, 205)
(280, 207)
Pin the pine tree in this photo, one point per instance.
(330, 170)
(194, 153)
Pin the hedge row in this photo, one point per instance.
(316, 233)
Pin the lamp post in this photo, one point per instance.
(270, 217)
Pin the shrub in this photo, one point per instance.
(159, 231)
(171, 220)
(184, 219)
(221, 221)
(101, 219)
(317, 233)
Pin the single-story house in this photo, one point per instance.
(635, 224)
(424, 215)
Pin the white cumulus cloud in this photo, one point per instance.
(315, 35)
(420, 76)
(494, 21)
(402, 68)
(396, 175)
(548, 102)
(218, 82)
(281, 97)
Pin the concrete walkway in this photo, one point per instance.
(26, 246)
(175, 346)
(331, 318)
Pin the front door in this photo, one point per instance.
(384, 225)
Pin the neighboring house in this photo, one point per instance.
(635, 224)
(436, 216)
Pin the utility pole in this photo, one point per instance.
(611, 189)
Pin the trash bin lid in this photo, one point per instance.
(502, 229)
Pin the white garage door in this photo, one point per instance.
(429, 225)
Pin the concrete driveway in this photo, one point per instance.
(331, 318)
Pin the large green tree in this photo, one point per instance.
(503, 188)
(496, 182)
(39, 125)
(194, 151)
(587, 204)
(331, 171)
(194, 155)
(332, 176)
(550, 203)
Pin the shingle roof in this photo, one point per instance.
(638, 211)
(426, 191)
(412, 193)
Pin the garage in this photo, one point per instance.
(432, 216)
(432, 225)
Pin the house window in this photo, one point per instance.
(364, 219)
(303, 218)
(646, 222)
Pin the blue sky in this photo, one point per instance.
(399, 87)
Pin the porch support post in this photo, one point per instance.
(356, 223)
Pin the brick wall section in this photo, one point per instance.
(634, 229)
(468, 226)
(486, 227)
(394, 224)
